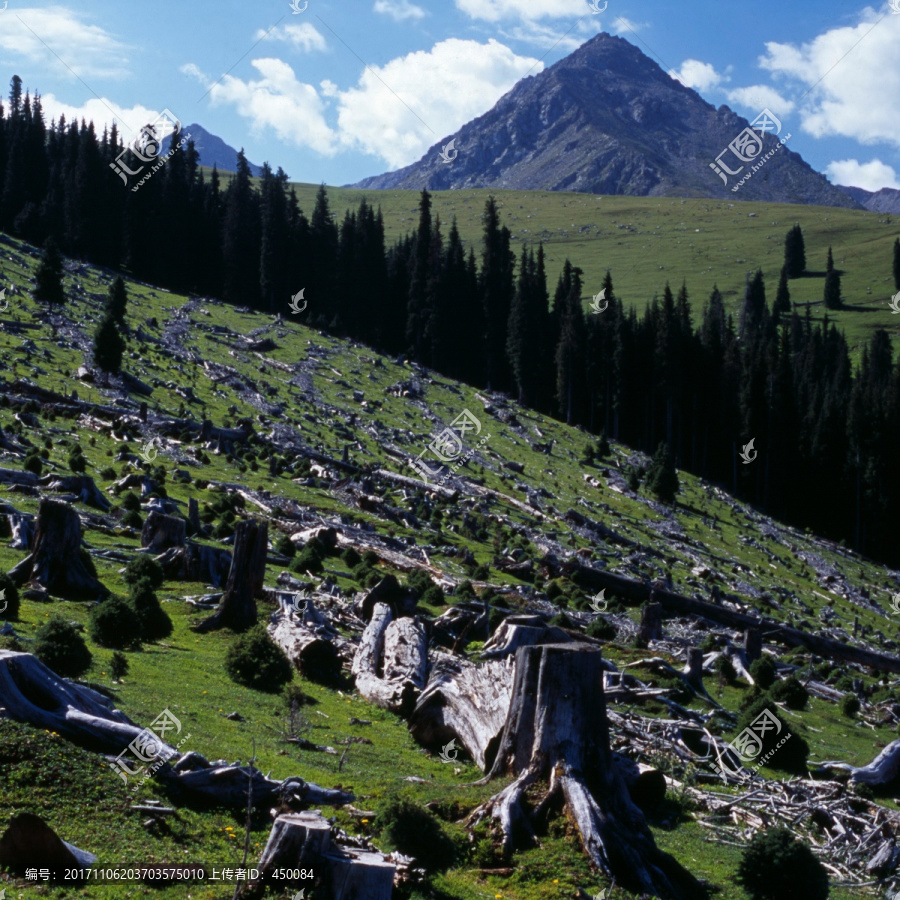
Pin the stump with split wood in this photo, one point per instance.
(557, 733)
(245, 578)
(55, 560)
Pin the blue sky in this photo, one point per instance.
(347, 89)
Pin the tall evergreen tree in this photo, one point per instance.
(829, 263)
(795, 252)
(108, 346)
(117, 300)
(48, 278)
(897, 264)
(662, 477)
(497, 290)
(782, 305)
(832, 297)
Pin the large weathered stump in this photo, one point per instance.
(160, 532)
(557, 732)
(55, 560)
(245, 578)
(651, 622)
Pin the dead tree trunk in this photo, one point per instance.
(883, 770)
(22, 527)
(160, 532)
(55, 560)
(693, 671)
(248, 569)
(557, 732)
(651, 622)
(752, 644)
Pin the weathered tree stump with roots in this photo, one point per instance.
(557, 732)
(55, 560)
(245, 578)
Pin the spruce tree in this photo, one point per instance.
(833, 298)
(662, 477)
(795, 252)
(49, 287)
(783, 295)
(117, 301)
(897, 264)
(829, 263)
(108, 346)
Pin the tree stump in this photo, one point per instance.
(752, 644)
(194, 516)
(651, 622)
(556, 732)
(22, 527)
(296, 840)
(196, 562)
(160, 532)
(245, 578)
(55, 560)
(693, 671)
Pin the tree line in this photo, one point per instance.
(489, 318)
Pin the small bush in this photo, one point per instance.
(764, 672)
(561, 620)
(132, 519)
(370, 558)
(256, 661)
(416, 832)
(77, 462)
(465, 592)
(108, 474)
(155, 621)
(10, 595)
(141, 567)
(724, 669)
(118, 666)
(791, 756)
(308, 560)
(59, 645)
(850, 705)
(778, 866)
(114, 623)
(790, 692)
(419, 581)
(434, 596)
(601, 628)
(351, 558)
(285, 546)
(130, 500)
(33, 463)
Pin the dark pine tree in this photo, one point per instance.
(795, 252)
(48, 278)
(897, 264)
(782, 305)
(497, 290)
(117, 301)
(833, 299)
(108, 346)
(662, 477)
(240, 238)
(829, 263)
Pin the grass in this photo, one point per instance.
(88, 804)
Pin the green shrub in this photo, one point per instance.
(601, 628)
(465, 592)
(370, 558)
(481, 573)
(778, 866)
(351, 558)
(764, 672)
(416, 832)
(132, 519)
(130, 500)
(285, 546)
(141, 567)
(155, 621)
(58, 645)
(790, 692)
(108, 474)
(561, 620)
(256, 661)
(850, 705)
(33, 463)
(77, 462)
(724, 669)
(114, 623)
(10, 594)
(419, 581)
(791, 756)
(434, 596)
(118, 666)
(308, 560)
(554, 590)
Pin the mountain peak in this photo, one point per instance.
(212, 149)
(607, 119)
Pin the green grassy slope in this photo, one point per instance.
(87, 803)
(646, 241)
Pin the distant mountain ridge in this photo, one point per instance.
(886, 200)
(212, 149)
(608, 120)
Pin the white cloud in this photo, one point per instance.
(872, 175)
(852, 78)
(304, 37)
(759, 96)
(399, 10)
(446, 87)
(277, 100)
(529, 10)
(698, 75)
(624, 25)
(87, 50)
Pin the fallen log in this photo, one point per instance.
(55, 561)
(314, 653)
(557, 732)
(465, 702)
(883, 770)
(793, 637)
(417, 484)
(82, 486)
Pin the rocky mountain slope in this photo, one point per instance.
(886, 200)
(212, 149)
(608, 120)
